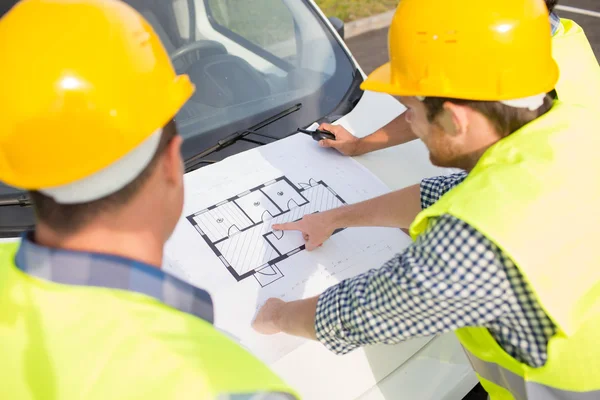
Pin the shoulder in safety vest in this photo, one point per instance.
(579, 79)
(536, 195)
(69, 342)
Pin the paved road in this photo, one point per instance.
(370, 49)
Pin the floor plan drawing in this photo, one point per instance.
(238, 230)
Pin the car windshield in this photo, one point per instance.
(249, 59)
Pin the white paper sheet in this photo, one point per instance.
(300, 174)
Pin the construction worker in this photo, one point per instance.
(507, 258)
(579, 82)
(88, 100)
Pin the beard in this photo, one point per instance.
(445, 153)
(453, 159)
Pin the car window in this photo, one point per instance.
(266, 23)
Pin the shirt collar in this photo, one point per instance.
(113, 272)
(554, 23)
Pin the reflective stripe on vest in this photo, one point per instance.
(522, 389)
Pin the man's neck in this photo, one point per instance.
(469, 161)
(143, 245)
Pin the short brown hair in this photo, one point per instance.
(68, 218)
(551, 4)
(505, 119)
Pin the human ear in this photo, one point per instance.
(172, 162)
(454, 119)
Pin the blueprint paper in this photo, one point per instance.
(224, 242)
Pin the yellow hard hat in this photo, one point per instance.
(468, 49)
(83, 83)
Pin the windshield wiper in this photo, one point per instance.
(19, 199)
(193, 162)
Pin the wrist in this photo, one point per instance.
(375, 141)
(335, 218)
(297, 318)
(358, 147)
(279, 317)
(362, 146)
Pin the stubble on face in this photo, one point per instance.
(445, 150)
(446, 153)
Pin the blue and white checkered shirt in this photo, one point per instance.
(554, 23)
(450, 277)
(114, 272)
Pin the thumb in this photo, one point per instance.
(310, 245)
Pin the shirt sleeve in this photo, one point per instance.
(450, 277)
(432, 189)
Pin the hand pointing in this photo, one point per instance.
(315, 229)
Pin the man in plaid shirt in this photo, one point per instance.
(451, 277)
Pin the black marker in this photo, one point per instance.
(318, 134)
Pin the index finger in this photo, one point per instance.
(288, 226)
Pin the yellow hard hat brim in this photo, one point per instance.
(380, 80)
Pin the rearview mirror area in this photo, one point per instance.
(338, 24)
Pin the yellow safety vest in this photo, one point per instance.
(536, 195)
(61, 342)
(579, 80)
